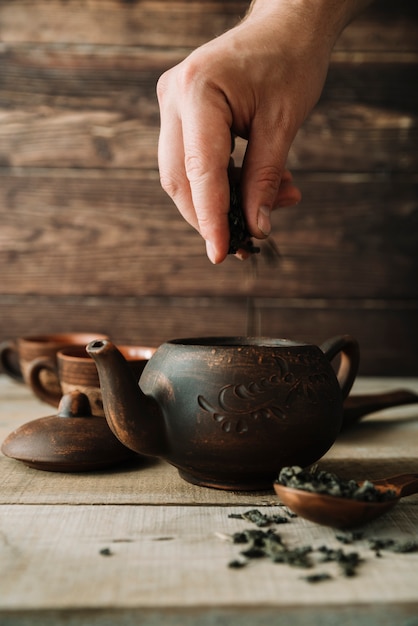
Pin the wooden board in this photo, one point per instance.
(351, 237)
(89, 239)
(140, 546)
(147, 568)
(82, 107)
(154, 22)
(386, 330)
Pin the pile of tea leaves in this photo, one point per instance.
(328, 483)
(257, 543)
(269, 544)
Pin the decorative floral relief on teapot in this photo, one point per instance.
(232, 411)
(239, 404)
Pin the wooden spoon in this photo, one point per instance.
(358, 406)
(345, 512)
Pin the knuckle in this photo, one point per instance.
(162, 86)
(170, 184)
(205, 226)
(268, 176)
(181, 78)
(196, 168)
(189, 73)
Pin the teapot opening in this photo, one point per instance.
(236, 342)
(96, 344)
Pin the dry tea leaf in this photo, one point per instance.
(239, 237)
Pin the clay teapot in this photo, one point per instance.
(229, 412)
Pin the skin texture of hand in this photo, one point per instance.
(258, 81)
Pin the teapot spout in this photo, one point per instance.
(133, 417)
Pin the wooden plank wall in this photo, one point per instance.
(89, 241)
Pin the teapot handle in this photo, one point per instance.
(349, 351)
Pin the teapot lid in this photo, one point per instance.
(74, 440)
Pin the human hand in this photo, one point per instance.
(258, 81)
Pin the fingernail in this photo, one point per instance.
(263, 220)
(210, 251)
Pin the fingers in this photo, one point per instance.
(206, 147)
(263, 170)
(194, 152)
(171, 154)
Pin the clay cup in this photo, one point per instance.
(16, 355)
(76, 371)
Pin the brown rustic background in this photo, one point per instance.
(89, 241)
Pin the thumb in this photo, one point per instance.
(263, 167)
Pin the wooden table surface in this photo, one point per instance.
(138, 545)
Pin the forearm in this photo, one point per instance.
(328, 16)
